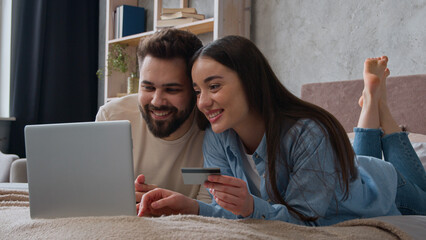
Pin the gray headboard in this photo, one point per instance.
(406, 99)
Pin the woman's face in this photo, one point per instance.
(220, 95)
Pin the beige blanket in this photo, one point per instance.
(15, 223)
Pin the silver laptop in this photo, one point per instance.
(80, 169)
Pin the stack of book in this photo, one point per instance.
(129, 20)
(171, 17)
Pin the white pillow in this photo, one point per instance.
(420, 149)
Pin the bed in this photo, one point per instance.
(407, 101)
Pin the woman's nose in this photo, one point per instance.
(203, 101)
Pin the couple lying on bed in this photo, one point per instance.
(285, 159)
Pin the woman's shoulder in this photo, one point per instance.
(307, 127)
(304, 134)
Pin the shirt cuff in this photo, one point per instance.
(204, 209)
(260, 208)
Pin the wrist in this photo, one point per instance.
(194, 207)
(250, 208)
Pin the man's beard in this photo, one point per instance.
(164, 128)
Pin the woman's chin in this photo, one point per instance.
(217, 129)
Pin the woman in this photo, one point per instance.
(284, 159)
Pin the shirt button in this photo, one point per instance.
(256, 156)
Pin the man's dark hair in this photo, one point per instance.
(168, 44)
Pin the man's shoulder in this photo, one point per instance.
(126, 102)
(122, 108)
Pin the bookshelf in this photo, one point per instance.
(229, 17)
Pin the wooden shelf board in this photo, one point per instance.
(198, 27)
(132, 40)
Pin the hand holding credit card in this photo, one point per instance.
(198, 175)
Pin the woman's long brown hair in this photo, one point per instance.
(267, 96)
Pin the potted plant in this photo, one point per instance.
(119, 60)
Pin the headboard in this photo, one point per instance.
(406, 99)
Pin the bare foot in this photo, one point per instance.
(375, 74)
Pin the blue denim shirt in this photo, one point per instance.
(310, 184)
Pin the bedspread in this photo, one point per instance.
(15, 223)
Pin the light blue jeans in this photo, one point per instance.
(397, 149)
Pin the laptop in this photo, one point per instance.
(80, 169)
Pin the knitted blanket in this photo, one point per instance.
(15, 223)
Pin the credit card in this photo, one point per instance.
(198, 175)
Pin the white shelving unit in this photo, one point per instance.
(231, 17)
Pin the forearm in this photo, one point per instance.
(262, 210)
(214, 210)
(265, 210)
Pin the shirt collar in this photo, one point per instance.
(261, 150)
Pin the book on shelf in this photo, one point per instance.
(173, 10)
(182, 15)
(129, 20)
(174, 22)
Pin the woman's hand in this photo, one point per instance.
(231, 193)
(165, 202)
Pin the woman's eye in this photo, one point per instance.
(197, 92)
(214, 86)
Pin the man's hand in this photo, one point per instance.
(141, 188)
(165, 202)
(231, 193)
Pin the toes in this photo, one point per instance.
(361, 101)
(387, 72)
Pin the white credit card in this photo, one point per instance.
(198, 175)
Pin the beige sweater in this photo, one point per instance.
(159, 160)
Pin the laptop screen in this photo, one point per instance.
(80, 169)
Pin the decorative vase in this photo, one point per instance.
(132, 84)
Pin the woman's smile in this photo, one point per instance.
(214, 115)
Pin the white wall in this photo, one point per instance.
(317, 41)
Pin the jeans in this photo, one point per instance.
(397, 149)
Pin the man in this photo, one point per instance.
(162, 115)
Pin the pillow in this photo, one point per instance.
(417, 140)
(420, 149)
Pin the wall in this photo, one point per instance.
(317, 41)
